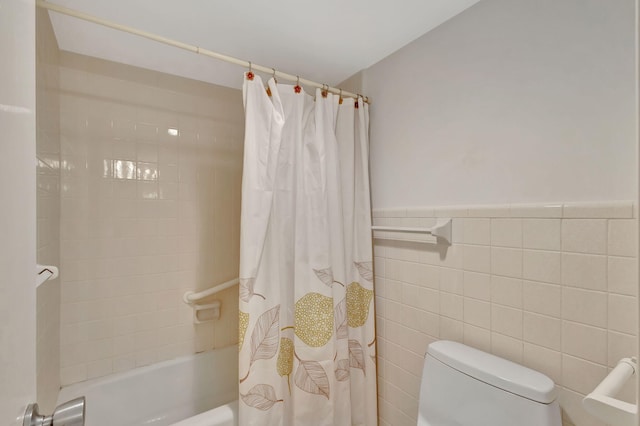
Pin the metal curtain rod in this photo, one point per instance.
(195, 49)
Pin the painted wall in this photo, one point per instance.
(48, 210)
(521, 115)
(508, 102)
(18, 212)
(146, 214)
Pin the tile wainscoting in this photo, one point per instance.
(551, 286)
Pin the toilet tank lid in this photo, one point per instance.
(495, 371)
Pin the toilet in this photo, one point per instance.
(462, 386)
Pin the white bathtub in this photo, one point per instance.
(195, 390)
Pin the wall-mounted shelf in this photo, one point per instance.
(210, 311)
(45, 272)
(442, 229)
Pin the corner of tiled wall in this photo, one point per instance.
(151, 175)
(48, 211)
(552, 287)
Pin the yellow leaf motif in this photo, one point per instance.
(358, 301)
(243, 323)
(285, 357)
(314, 319)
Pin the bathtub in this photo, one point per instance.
(195, 390)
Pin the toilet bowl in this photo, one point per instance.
(462, 386)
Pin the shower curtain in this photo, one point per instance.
(307, 320)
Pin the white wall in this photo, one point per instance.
(18, 212)
(513, 101)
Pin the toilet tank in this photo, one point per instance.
(462, 386)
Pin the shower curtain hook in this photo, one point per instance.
(325, 90)
(297, 87)
(250, 74)
(340, 99)
(357, 101)
(274, 75)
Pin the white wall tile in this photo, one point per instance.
(542, 298)
(507, 321)
(477, 313)
(544, 360)
(622, 238)
(585, 306)
(623, 313)
(584, 235)
(584, 341)
(477, 285)
(542, 330)
(540, 265)
(507, 347)
(476, 258)
(619, 346)
(506, 262)
(506, 291)
(477, 231)
(451, 280)
(580, 375)
(541, 234)
(506, 233)
(622, 275)
(584, 271)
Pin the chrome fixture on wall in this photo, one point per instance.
(71, 413)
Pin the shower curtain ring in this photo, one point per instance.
(250, 74)
(340, 98)
(325, 90)
(274, 75)
(297, 87)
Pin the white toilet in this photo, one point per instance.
(462, 386)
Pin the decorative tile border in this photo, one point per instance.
(609, 209)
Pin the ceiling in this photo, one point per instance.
(324, 41)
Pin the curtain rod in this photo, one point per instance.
(195, 49)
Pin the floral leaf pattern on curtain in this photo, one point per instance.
(264, 339)
(243, 323)
(285, 359)
(365, 269)
(342, 332)
(311, 378)
(262, 397)
(342, 370)
(246, 289)
(305, 227)
(358, 301)
(356, 355)
(314, 319)
(325, 275)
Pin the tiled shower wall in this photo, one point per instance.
(151, 175)
(552, 287)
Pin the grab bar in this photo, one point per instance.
(190, 297)
(441, 229)
(601, 402)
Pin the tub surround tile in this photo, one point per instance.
(140, 209)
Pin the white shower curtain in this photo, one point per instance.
(307, 320)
